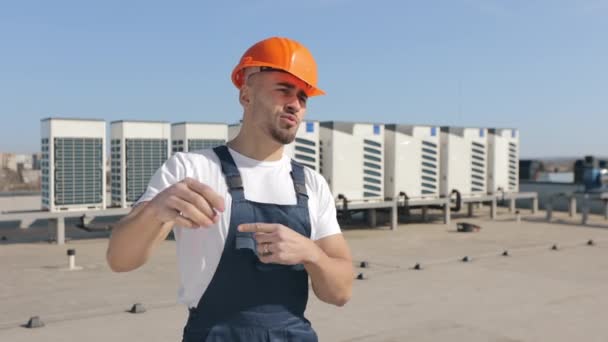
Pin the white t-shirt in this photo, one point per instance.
(199, 250)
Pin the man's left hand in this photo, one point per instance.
(278, 244)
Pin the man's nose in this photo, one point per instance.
(293, 106)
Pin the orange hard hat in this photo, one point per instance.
(283, 54)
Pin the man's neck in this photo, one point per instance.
(256, 146)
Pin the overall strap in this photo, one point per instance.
(231, 172)
(299, 183)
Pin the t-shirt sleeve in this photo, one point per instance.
(326, 222)
(171, 172)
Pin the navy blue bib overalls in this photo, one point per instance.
(248, 300)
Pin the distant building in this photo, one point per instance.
(530, 169)
(589, 162)
(36, 161)
(72, 164)
(31, 177)
(8, 161)
(138, 149)
(556, 177)
(24, 161)
(192, 136)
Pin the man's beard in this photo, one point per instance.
(282, 136)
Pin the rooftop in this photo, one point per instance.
(534, 294)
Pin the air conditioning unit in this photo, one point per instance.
(463, 162)
(352, 159)
(503, 160)
(192, 136)
(73, 164)
(412, 159)
(305, 148)
(139, 148)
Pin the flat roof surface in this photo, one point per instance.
(535, 294)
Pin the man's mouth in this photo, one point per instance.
(289, 119)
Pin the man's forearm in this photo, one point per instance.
(133, 238)
(331, 277)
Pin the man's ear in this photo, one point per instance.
(245, 95)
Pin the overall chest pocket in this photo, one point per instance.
(293, 217)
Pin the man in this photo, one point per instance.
(250, 224)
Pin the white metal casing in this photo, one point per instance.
(463, 161)
(412, 158)
(233, 130)
(503, 160)
(63, 175)
(151, 146)
(192, 136)
(352, 159)
(305, 148)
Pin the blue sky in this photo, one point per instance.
(540, 66)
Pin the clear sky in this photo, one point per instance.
(540, 66)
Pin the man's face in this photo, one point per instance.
(277, 104)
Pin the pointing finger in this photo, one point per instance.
(258, 227)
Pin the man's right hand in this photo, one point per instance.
(188, 203)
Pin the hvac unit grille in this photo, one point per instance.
(320, 157)
(78, 171)
(513, 163)
(306, 153)
(44, 166)
(429, 180)
(115, 169)
(143, 158)
(177, 146)
(115, 163)
(372, 168)
(201, 144)
(478, 167)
